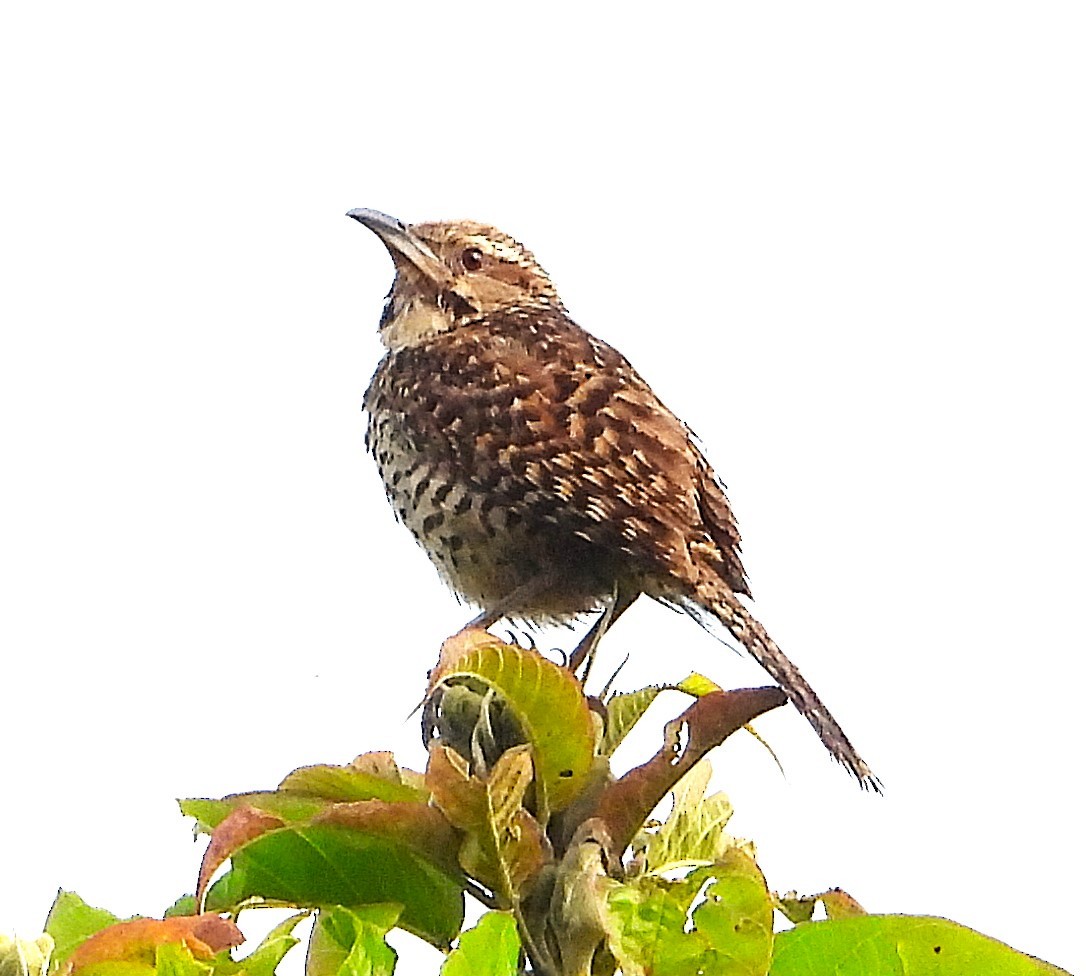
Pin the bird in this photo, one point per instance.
(538, 470)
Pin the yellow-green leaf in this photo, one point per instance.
(546, 701)
(25, 957)
(717, 921)
(624, 710)
(491, 948)
(697, 685)
(909, 945)
(351, 942)
(694, 830)
(72, 921)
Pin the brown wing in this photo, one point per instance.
(716, 514)
(679, 509)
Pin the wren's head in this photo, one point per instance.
(450, 274)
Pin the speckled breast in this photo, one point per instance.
(464, 445)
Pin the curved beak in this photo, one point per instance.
(399, 240)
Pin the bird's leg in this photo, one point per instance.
(621, 600)
(513, 600)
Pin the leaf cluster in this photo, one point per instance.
(519, 808)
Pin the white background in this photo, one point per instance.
(844, 241)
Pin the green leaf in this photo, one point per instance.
(546, 701)
(320, 865)
(308, 790)
(694, 830)
(185, 905)
(625, 710)
(909, 945)
(730, 927)
(351, 942)
(71, 921)
(623, 713)
(118, 967)
(346, 783)
(420, 826)
(171, 959)
(492, 948)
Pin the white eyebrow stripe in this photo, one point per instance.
(499, 249)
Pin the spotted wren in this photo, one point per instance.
(535, 466)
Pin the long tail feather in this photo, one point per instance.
(722, 603)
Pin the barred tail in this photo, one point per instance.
(718, 599)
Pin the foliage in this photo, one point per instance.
(519, 808)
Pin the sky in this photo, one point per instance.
(843, 241)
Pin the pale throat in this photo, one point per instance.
(413, 319)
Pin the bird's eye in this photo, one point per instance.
(472, 259)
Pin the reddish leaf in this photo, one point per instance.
(456, 648)
(625, 804)
(423, 828)
(240, 826)
(461, 796)
(136, 940)
(840, 904)
(383, 764)
(505, 845)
